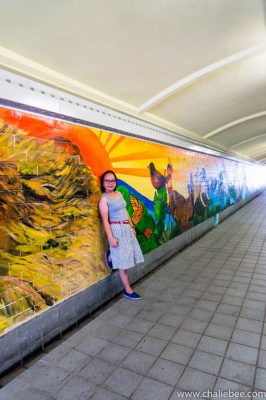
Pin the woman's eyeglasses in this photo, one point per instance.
(110, 181)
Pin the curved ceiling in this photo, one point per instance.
(196, 67)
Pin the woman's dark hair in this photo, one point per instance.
(103, 176)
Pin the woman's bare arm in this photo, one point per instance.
(103, 206)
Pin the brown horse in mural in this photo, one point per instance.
(181, 208)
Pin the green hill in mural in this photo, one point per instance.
(151, 232)
(48, 224)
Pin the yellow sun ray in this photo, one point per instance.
(146, 155)
(117, 143)
(133, 171)
(109, 137)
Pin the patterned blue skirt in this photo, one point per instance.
(128, 253)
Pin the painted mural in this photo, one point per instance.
(51, 238)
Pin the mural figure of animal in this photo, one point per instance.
(201, 192)
(157, 179)
(182, 208)
(179, 207)
(159, 182)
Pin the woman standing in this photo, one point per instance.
(120, 231)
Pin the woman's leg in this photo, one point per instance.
(124, 278)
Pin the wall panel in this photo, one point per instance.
(52, 239)
(52, 244)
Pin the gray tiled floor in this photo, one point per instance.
(199, 326)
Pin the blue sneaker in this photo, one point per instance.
(132, 296)
(107, 262)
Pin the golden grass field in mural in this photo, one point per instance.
(49, 224)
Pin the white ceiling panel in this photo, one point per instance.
(225, 95)
(124, 54)
(243, 131)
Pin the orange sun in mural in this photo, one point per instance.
(102, 150)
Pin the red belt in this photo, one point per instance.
(119, 222)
